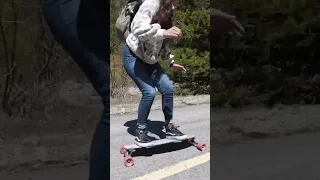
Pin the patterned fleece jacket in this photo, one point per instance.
(146, 40)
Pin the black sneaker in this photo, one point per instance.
(173, 132)
(142, 138)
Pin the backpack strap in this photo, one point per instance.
(133, 9)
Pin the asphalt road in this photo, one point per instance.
(193, 120)
(294, 157)
(172, 161)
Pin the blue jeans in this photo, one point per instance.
(149, 77)
(82, 29)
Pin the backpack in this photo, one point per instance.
(125, 18)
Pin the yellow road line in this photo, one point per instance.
(175, 169)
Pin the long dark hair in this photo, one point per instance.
(164, 16)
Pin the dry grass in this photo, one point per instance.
(31, 61)
(119, 80)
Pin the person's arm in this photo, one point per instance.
(166, 53)
(140, 25)
(170, 57)
(221, 23)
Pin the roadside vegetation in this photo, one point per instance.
(277, 61)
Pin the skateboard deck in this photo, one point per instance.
(157, 142)
(127, 150)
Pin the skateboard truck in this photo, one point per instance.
(128, 160)
(127, 150)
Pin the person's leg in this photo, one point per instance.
(139, 72)
(62, 17)
(99, 167)
(165, 87)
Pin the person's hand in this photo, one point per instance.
(173, 32)
(178, 67)
(222, 23)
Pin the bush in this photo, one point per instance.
(276, 59)
(197, 78)
(195, 27)
(192, 51)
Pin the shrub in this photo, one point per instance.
(197, 78)
(192, 51)
(277, 53)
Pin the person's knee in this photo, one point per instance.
(167, 89)
(149, 93)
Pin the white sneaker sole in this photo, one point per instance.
(177, 137)
(143, 144)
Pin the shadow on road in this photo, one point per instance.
(155, 127)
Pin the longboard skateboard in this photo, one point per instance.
(127, 150)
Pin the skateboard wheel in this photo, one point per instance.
(128, 161)
(201, 146)
(122, 149)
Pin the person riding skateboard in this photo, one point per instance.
(147, 43)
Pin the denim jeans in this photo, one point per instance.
(83, 31)
(149, 77)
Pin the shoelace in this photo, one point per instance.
(144, 135)
(175, 128)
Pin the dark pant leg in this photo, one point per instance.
(66, 23)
